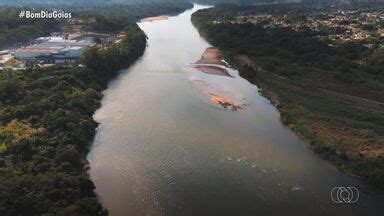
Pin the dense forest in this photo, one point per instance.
(330, 95)
(46, 123)
(133, 12)
(238, 2)
(46, 128)
(110, 18)
(135, 2)
(83, 2)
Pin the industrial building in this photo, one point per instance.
(54, 50)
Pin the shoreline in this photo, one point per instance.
(67, 130)
(155, 18)
(273, 98)
(245, 62)
(51, 131)
(335, 123)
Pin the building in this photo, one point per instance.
(53, 50)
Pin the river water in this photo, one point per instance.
(164, 148)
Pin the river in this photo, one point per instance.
(164, 148)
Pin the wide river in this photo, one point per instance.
(164, 148)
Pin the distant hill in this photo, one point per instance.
(90, 2)
(231, 1)
(344, 1)
(210, 2)
(243, 2)
(82, 2)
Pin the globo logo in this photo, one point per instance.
(345, 194)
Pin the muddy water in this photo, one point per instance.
(166, 146)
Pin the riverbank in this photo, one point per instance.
(153, 19)
(47, 126)
(164, 148)
(342, 122)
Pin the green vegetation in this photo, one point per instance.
(109, 18)
(46, 123)
(239, 2)
(46, 128)
(332, 96)
(131, 12)
(14, 30)
(83, 2)
(113, 17)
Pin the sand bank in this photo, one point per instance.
(220, 90)
(224, 102)
(212, 56)
(152, 19)
(212, 70)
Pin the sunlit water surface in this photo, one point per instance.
(163, 147)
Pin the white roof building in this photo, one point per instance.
(51, 49)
